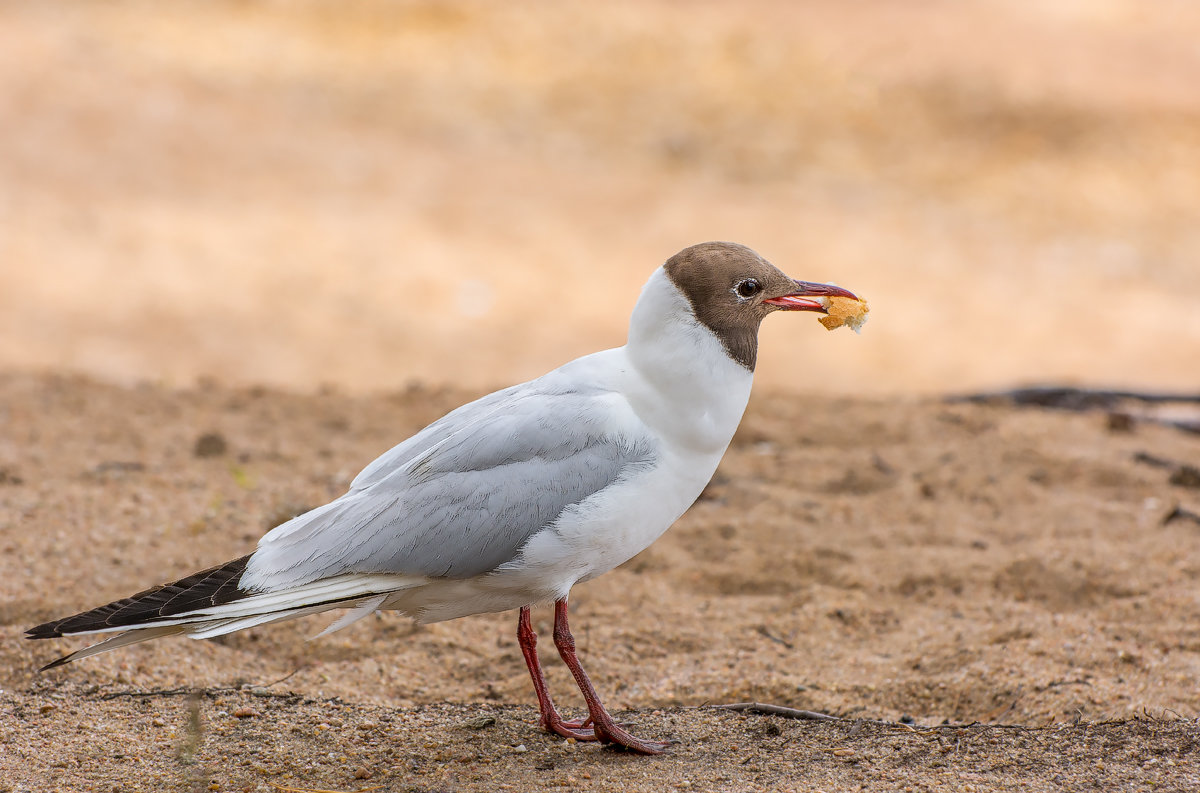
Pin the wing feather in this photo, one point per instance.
(462, 497)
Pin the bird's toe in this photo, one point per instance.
(617, 737)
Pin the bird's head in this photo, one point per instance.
(731, 289)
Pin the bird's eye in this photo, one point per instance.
(748, 288)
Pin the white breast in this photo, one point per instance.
(674, 384)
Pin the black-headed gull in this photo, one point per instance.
(511, 500)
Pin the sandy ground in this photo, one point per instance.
(310, 228)
(882, 559)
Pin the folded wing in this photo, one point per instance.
(462, 497)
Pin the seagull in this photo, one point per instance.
(509, 501)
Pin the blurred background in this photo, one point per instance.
(367, 193)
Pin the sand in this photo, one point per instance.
(898, 560)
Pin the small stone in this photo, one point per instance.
(210, 444)
(520, 749)
(246, 713)
(361, 773)
(44, 709)
(158, 723)
(1186, 476)
(480, 722)
(260, 691)
(1120, 422)
(842, 752)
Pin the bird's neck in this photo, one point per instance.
(693, 389)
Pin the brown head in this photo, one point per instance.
(731, 288)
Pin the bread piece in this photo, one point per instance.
(844, 311)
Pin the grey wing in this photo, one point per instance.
(464, 500)
(455, 421)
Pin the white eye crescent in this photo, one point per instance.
(748, 288)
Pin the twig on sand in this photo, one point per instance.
(1079, 399)
(288, 676)
(762, 631)
(812, 715)
(779, 710)
(321, 790)
(1085, 399)
(158, 692)
(258, 691)
(804, 715)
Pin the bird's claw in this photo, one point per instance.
(617, 737)
(578, 729)
(614, 734)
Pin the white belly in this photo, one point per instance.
(588, 540)
(620, 522)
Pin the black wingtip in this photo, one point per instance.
(212, 587)
(47, 630)
(51, 629)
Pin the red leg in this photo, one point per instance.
(603, 725)
(550, 720)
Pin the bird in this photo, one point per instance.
(511, 500)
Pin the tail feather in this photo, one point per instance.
(113, 642)
(355, 614)
(210, 603)
(359, 609)
(215, 586)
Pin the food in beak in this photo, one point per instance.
(851, 312)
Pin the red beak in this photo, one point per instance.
(798, 300)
